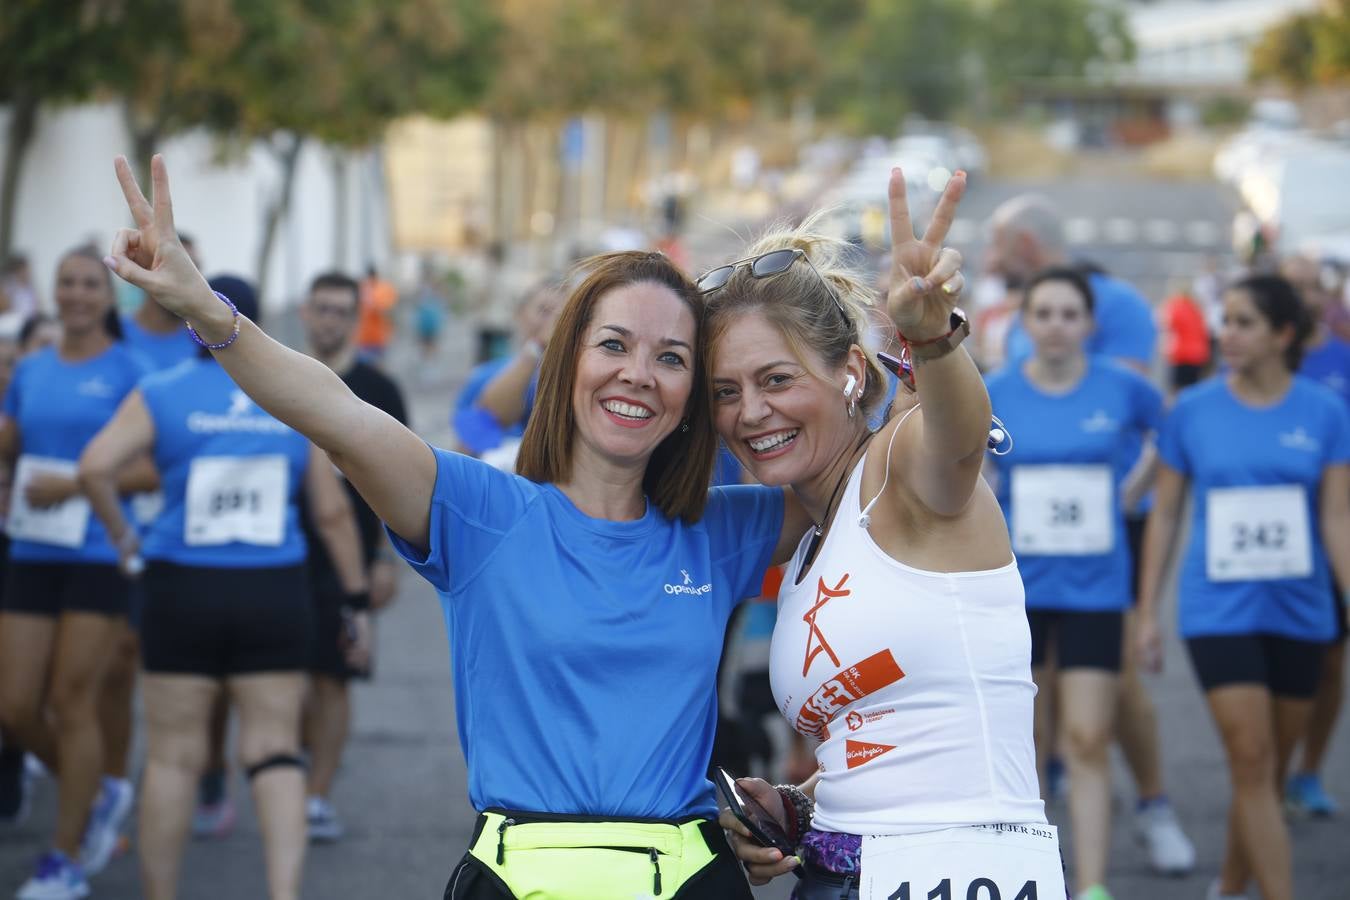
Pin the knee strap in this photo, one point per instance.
(273, 761)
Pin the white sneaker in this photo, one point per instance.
(56, 878)
(324, 824)
(105, 823)
(1213, 893)
(1169, 850)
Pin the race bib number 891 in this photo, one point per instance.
(236, 498)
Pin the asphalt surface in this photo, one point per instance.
(402, 794)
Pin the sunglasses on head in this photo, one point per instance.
(775, 262)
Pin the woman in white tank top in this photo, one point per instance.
(902, 642)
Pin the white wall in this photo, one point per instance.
(68, 195)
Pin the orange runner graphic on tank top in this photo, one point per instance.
(815, 638)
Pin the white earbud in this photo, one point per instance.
(850, 384)
(996, 436)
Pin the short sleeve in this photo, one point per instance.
(1125, 325)
(1148, 404)
(1338, 438)
(745, 521)
(473, 507)
(1171, 444)
(11, 408)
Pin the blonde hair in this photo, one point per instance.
(798, 304)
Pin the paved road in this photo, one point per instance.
(402, 791)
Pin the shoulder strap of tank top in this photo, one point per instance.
(866, 519)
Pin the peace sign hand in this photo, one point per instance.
(925, 277)
(150, 255)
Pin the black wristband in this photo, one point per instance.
(799, 808)
(358, 602)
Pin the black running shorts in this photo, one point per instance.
(219, 622)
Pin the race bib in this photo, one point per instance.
(1062, 510)
(1257, 533)
(62, 525)
(977, 862)
(236, 498)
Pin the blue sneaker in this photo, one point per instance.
(105, 822)
(1305, 795)
(56, 878)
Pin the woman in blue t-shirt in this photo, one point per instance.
(1076, 419)
(226, 603)
(1264, 453)
(64, 601)
(585, 598)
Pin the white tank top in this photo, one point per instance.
(918, 685)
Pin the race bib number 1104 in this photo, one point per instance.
(979, 862)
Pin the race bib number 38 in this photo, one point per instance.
(1062, 510)
(236, 498)
(1257, 533)
(62, 525)
(978, 862)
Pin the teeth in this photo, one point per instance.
(773, 441)
(627, 410)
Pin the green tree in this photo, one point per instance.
(49, 53)
(1026, 40)
(1285, 52)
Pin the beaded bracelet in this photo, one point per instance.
(799, 808)
(192, 332)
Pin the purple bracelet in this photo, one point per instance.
(192, 332)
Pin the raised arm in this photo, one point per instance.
(389, 465)
(939, 454)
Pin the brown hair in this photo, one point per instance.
(680, 469)
(799, 305)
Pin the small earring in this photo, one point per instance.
(852, 406)
(684, 425)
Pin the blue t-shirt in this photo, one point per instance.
(248, 470)
(1329, 365)
(1216, 441)
(1098, 423)
(163, 351)
(585, 651)
(1124, 330)
(58, 407)
(477, 429)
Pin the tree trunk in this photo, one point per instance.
(145, 134)
(286, 148)
(22, 126)
(341, 212)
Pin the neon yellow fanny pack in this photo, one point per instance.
(542, 857)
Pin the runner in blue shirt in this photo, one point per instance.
(585, 599)
(64, 601)
(227, 605)
(1028, 235)
(1326, 360)
(1060, 486)
(1264, 454)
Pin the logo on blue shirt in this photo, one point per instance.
(696, 590)
(95, 387)
(237, 419)
(1099, 422)
(1298, 439)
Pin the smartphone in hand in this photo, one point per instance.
(762, 825)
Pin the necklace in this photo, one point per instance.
(818, 531)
